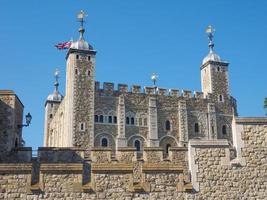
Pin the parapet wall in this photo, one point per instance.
(109, 88)
(73, 173)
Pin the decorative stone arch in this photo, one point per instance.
(135, 137)
(166, 142)
(108, 136)
(99, 112)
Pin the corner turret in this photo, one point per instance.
(214, 72)
(51, 105)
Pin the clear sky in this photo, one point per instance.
(133, 38)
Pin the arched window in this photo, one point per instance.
(224, 130)
(167, 148)
(110, 119)
(96, 118)
(196, 128)
(132, 120)
(127, 120)
(88, 73)
(137, 145)
(167, 125)
(51, 116)
(101, 118)
(104, 142)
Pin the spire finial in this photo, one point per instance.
(56, 84)
(80, 18)
(154, 78)
(210, 32)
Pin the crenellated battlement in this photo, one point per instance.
(110, 88)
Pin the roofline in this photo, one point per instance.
(82, 51)
(10, 92)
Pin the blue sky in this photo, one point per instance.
(133, 38)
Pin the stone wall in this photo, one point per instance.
(211, 173)
(11, 111)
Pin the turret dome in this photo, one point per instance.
(212, 56)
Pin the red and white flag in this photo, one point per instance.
(65, 45)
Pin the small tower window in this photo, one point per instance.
(101, 118)
(77, 57)
(196, 128)
(51, 116)
(218, 69)
(82, 126)
(52, 105)
(127, 120)
(89, 58)
(76, 71)
(114, 119)
(224, 130)
(104, 142)
(137, 145)
(109, 119)
(96, 118)
(167, 125)
(168, 146)
(132, 120)
(88, 73)
(220, 98)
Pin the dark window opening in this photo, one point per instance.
(89, 58)
(220, 98)
(96, 118)
(224, 130)
(88, 73)
(76, 71)
(137, 145)
(168, 146)
(101, 118)
(132, 120)
(77, 56)
(167, 125)
(115, 120)
(196, 128)
(218, 69)
(109, 119)
(52, 105)
(127, 120)
(82, 126)
(51, 116)
(104, 142)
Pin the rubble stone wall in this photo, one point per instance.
(69, 173)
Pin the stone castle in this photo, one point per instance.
(107, 143)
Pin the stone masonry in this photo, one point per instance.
(68, 173)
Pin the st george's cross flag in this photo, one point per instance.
(64, 45)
